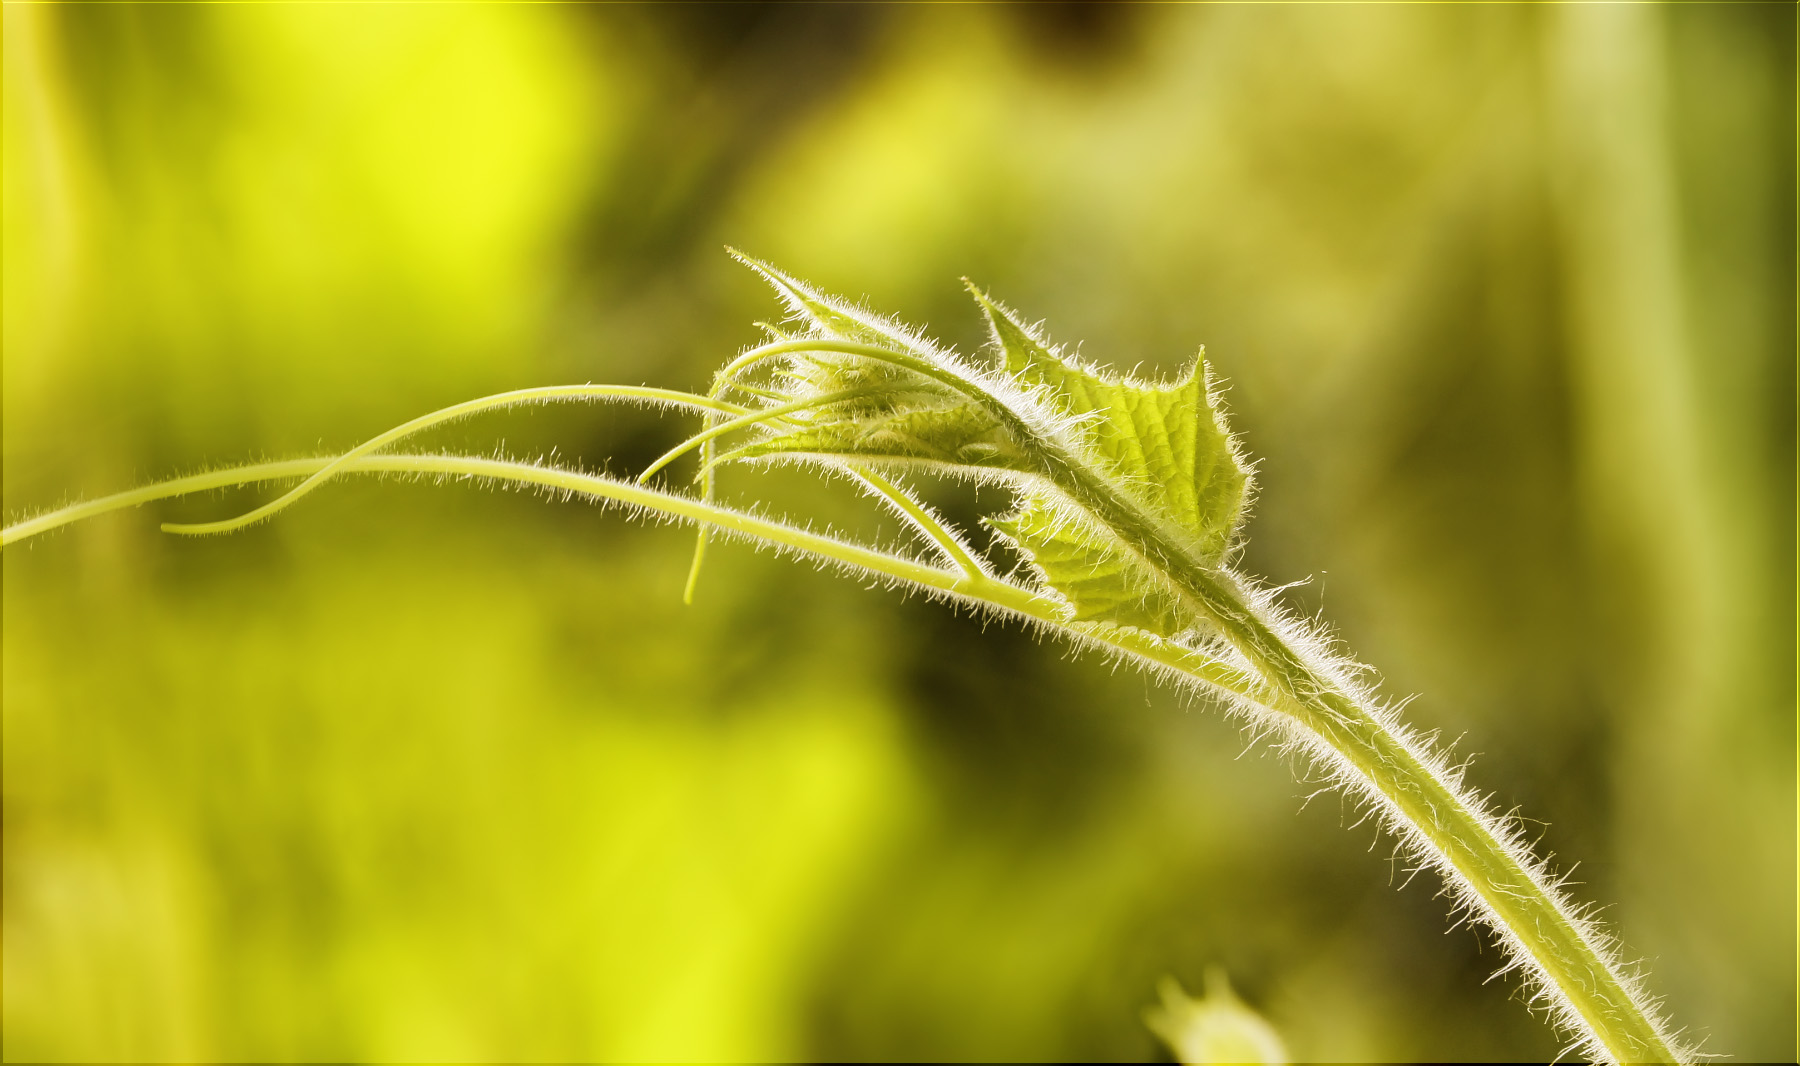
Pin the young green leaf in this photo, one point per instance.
(1088, 568)
(1167, 445)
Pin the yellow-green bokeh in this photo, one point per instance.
(1503, 298)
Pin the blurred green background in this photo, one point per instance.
(1505, 300)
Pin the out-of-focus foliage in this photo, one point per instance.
(1215, 1028)
(1503, 299)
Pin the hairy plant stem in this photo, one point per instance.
(1450, 829)
(1421, 803)
(1424, 804)
(1497, 879)
(1127, 495)
(1456, 836)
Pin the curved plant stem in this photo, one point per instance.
(1127, 496)
(1495, 875)
(976, 588)
(1286, 685)
(1492, 872)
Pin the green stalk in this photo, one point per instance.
(971, 586)
(1492, 873)
(1288, 684)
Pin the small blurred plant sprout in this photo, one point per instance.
(1216, 1028)
(1128, 499)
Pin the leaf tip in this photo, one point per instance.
(762, 267)
(988, 305)
(1199, 370)
(796, 292)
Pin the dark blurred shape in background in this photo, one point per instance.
(1504, 297)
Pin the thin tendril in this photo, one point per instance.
(920, 518)
(706, 436)
(439, 417)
